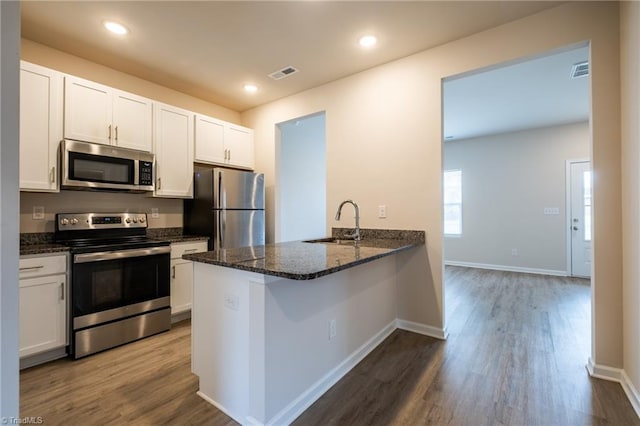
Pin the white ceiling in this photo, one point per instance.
(533, 93)
(209, 49)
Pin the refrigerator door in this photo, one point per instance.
(235, 189)
(238, 228)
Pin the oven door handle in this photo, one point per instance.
(119, 254)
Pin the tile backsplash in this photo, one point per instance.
(169, 210)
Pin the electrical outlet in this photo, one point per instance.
(514, 252)
(332, 329)
(551, 210)
(154, 213)
(231, 301)
(38, 212)
(382, 211)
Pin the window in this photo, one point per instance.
(453, 202)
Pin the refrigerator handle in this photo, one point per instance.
(222, 201)
(222, 225)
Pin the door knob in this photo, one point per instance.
(575, 228)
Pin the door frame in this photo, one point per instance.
(567, 209)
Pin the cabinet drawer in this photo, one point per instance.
(178, 249)
(42, 265)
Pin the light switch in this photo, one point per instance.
(154, 213)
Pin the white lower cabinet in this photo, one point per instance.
(182, 275)
(43, 304)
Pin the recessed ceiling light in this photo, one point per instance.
(251, 88)
(116, 28)
(368, 41)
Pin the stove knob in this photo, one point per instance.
(128, 220)
(141, 219)
(74, 221)
(64, 221)
(135, 220)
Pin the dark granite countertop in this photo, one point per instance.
(184, 238)
(299, 260)
(43, 242)
(26, 249)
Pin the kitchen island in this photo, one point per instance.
(275, 326)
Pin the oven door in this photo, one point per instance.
(112, 285)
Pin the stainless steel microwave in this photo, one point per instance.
(95, 166)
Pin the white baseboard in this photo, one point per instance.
(616, 375)
(507, 268)
(631, 392)
(427, 330)
(288, 414)
(604, 372)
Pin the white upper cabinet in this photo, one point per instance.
(210, 140)
(97, 113)
(173, 146)
(40, 127)
(219, 142)
(239, 143)
(132, 121)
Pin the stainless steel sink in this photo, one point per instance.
(330, 240)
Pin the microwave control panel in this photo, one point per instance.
(145, 173)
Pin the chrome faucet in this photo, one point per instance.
(356, 233)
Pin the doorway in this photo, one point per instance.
(579, 251)
(301, 179)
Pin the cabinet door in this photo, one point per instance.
(209, 140)
(87, 111)
(181, 285)
(40, 127)
(239, 143)
(173, 145)
(42, 314)
(132, 118)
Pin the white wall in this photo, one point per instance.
(301, 188)
(9, 152)
(384, 147)
(169, 211)
(630, 89)
(507, 181)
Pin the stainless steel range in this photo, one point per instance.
(119, 280)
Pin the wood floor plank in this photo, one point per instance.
(516, 355)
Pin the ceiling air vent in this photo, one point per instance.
(284, 72)
(581, 69)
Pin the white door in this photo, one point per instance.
(580, 218)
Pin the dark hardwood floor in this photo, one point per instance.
(516, 354)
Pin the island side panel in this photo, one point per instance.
(302, 360)
(220, 322)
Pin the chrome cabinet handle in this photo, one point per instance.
(52, 175)
(116, 135)
(173, 272)
(229, 155)
(61, 291)
(191, 250)
(31, 268)
(109, 131)
(159, 183)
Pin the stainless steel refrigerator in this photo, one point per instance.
(227, 206)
